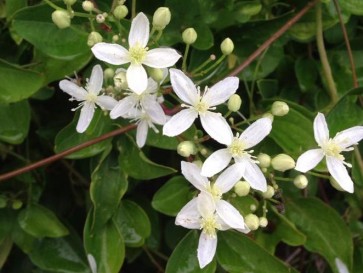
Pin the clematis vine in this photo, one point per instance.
(88, 97)
(331, 149)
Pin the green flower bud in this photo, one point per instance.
(17, 204)
(282, 162)
(269, 192)
(115, 38)
(335, 184)
(120, 12)
(61, 18)
(108, 73)
(88, 6)
(69, 2)
(279, 108)
(268, 115)
(253, 207)
(156, 74)
(263, 222)
(161, 18)
(189, 36)
(94, 38)
(227, 46)
(301, 181)
(264, 160)
(120, 80)
(186, 148)
(100, 18)
(252, 221)
(242, 188)
(234, 103)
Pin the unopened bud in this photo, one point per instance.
(282, 162)
(234, 103)
(94, 38)
(69, 2)
(199, 163)
(301, 181)
(189, 36)
(204, 151)
(88, 6)
(161, 18)
(253, 207)
(61, 18)
(120, 80)
(279, 108)
(108, 73)
(186, 148)
(252, 221)
(156, 74)
(264, 160)
(263, 222)
(270, 191)
(268, 115)
(17, 204)
(115, 38)
(100, 18)
(120, 12)
(227, 46)
(242, 188)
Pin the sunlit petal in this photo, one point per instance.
(206, 249)
(256, 132)
(230, 215)
(217, 127)
(73, 90)
(141, 133)
(321, 131)
(111, 53)
(106, 102)
(253, 175)
(221, 91)
(309, 160)
(96, 80)
(123, 107)
(191, 172)
(139, 31)
(179, 122)
(216, 162)
(136, 78)
(229, 177)
(85, 117)
(349, 137)
(339, 173)
(189, 216)
(161, 57)
(183, 86)
(206, 205)
(155, 111)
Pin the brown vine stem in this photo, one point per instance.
(56, 157)
(273, 38)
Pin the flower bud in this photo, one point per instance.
(269, 192)
(234, 103)
(199, 163)
(252, 221)
(282, 162)
(17, 204)
(120, 12)
(253, 207)
(69, 2)
(161, 18)
(156, 74)
(120, 80)
(279, 108)
(227, 46)
(301, 181)
(61, 18)
(108, 73)
(268, 115)
(263, 222)
(189, 36)
(100, 18)
(115, 38)
(94, 38)
(186, 148)
(264, 160)
(242, 188)
(88, 6)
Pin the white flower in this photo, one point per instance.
(138, 54)
(88, 97)
(204, 213)
(331, 149)
(213, 123)
(245, 166)
(342, 268)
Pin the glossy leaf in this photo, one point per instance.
(352, 6)
(13, 6)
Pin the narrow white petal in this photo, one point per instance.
(183, 86)
(339, 173)
(192, 173)
(342, 268)
(139, 31)
(161, 57)
(256, 132)
(111, 53)
(221, 91)
(123, 107)
(216, 162)
(96, 80)
(309, 160)
(85, 117)
(230, 215)
(136, 78)
(141, 133)
(189, 216)
(179, 122)
(321, 131)
(349, 136)
(154, 110)
(152, 86)
(217, 127)
(230, 177)
(206, 205)
(206, 249)
(106, 102)
(254, 175)
(77, 92)
(92, 263)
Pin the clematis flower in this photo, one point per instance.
(331, 149)
(137, 54)
(89, 97)
(245, 165)
(213, 123)
(204, 213)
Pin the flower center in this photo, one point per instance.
(137, 54)
(237, 148)
(330, 148)
(201, 107)
(209, 225)
(91, 97)
(214, 191)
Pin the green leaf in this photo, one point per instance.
(326, 232)
(353, 6)
(238, 253)
(14, 120)
(133, 160)
(7, 219)
(133, 223)
(40, 222)
(5, 247)
(17, 83)
(184, 257)
(306, 80)
(205, 38)
(13, 6)
(172, 196)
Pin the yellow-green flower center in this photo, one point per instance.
(214, 191)
(201, 107)
(209, 225)
(330, 148)
(137, 54)
(91, 97)
(237, 148)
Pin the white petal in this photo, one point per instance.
(216, 162)
(179, 122)
(206, 205)
(230, 177)
(230, 215)
(309, 160)
(256, 132)
(206, 249)
(349, 136)
(111, 53)
(339, 173)
(73, 89)
(85, 117)
(152, 86)
(161, 57)
(106, 102)
(141, 133)
(217, 127)
(321, 131)
(254, 175)
(183, 86)
(139, 31)
(123, 107)
(342, 268)
(192, 173)
(92, 263)
(154, 110)
(221, 91)
(189, 216)
(96, 80)
(136, 78)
